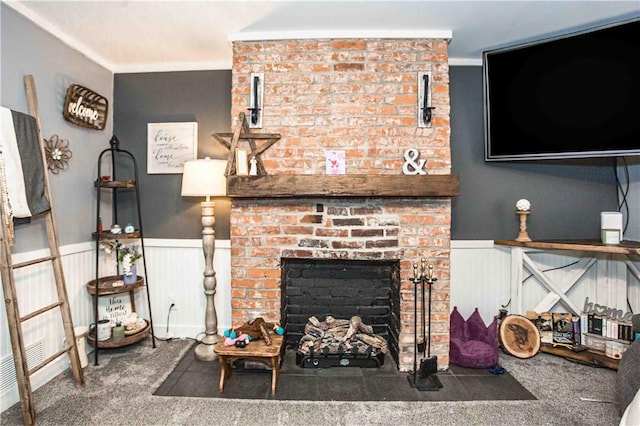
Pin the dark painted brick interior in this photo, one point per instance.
(342, 289)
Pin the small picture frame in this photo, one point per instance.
(335, 162)
(242, 162)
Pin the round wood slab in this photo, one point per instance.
(519, 336)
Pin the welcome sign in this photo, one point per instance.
(85, 108)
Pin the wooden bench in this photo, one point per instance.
(256, 350)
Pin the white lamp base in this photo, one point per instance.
(204, 351)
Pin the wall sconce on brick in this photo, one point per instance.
(424, 99)
(256, 108)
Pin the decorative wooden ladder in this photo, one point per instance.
(14, 319)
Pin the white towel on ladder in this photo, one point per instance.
(13, 166)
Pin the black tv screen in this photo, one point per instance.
(573, 96)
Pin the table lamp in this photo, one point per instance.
(205, 178)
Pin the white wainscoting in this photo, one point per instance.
(480, 278)
(174, 268)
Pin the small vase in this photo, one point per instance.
(131, 279)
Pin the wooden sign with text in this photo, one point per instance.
(85, 108)
(114, 308)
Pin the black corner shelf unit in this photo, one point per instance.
(103, 283)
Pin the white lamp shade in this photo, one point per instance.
(204, 178)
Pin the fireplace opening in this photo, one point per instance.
(341, 289)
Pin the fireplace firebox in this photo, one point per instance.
(341, 289)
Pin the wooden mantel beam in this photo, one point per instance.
(376, 186)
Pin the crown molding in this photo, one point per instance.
(333, 34)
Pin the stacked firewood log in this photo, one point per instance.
(334, 336)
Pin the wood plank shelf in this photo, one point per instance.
(106, 235)
(348, 186)
(627, 247)
(106, 288)
(590, 356)
(129, 339)
(114, 184)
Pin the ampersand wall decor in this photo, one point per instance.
(413, 165)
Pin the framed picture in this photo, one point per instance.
(242, 162)
(169, 145)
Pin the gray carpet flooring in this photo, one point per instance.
(119, 391)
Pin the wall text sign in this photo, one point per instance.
(614, 314)
(85, 108)
(114, 308)
(169, 145)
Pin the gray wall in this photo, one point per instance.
(27, 49)
(200, 96)
(566, 196)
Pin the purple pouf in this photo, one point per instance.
(473, 344)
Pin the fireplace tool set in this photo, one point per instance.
(423, 377)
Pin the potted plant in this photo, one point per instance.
(128, 255)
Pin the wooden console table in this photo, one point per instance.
(255, 350)
(558, 291)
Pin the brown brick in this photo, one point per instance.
(360, 211)
(297, 253)
(342, 244)
(348, 222)
(367, 232)
(305, 242)
(297, 230)
(332, 232)
(382, 243)
(263, 273)
(315, 218)
(348, 67)
(349, 44)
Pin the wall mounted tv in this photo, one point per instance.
(574, 96)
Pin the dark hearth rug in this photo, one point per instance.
(194, 378)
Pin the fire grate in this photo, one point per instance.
(371, 359)
(340, 343)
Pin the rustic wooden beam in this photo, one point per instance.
(296, 186)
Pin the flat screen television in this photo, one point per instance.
(573, 96)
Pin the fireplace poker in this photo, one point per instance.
(415, 281)
(430, 280)
(421, 340)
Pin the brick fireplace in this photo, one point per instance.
(359, 96)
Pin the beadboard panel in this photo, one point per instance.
(175, 272)
(174, 267)
(480, 277)
(633, 286)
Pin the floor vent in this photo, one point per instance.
(7, 367)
